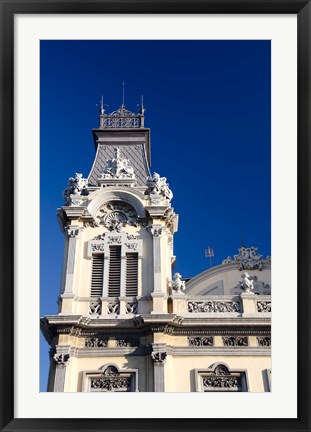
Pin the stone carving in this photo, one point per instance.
(221, 378)
(264, 306)
(264, 341)
(246, 283)
(235, 341)
(96, 343)
(114, 239)
(110, 383)
(113, 308)
(127, 342)
(132, 246)
(61, 359)
(72, 231)
(155, 231)
(222, 382)
(100, 237)
(118, 167)
(158, 186)
(214, 306)
(178, 286)
(159, 357)
(248, 259)
(110, 380)
(260, 287)
(132, 237)
(98, 247)
(77, 186)
(95, 308)
(131, 308)
(115, 215)
(201, 341)
(74, 331)
(228, 260)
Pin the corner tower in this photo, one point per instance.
(118, 225)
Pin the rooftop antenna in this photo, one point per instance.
(123, 85)
(242, 240)
(209, 253)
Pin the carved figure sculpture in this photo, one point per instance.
(118, 167)
(246, 283)
(177, 285)
(158, 186)
(76, 186)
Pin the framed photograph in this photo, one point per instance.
(222, 89)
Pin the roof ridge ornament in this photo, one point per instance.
(248, 259)
(122, 117)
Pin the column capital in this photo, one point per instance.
(155, 230)
(73, 231)
(61, 359)
(159, 357)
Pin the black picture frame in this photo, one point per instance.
(8, 8)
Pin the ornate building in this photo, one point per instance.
(124, 323)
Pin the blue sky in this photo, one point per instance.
(208, 108)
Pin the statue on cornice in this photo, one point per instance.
(246, 283)
(178, 286)
(158, 186)
(77, 185)
(118, 167)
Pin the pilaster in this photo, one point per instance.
(72, 232)
(61, 362)
(159, 357)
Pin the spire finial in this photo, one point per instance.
(123, 85)
(102, 105)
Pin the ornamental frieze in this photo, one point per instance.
(222, 382)
(264, 341)
(214, 306)
(127, 342)
(235, 341)
(201, 341)
(222, 378)
(264, 306)
(96, 343)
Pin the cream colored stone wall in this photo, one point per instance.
(180, 371)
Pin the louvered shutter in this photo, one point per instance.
(131, 274)
(114, 271)
(97, 275)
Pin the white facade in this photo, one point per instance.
(124, 322)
